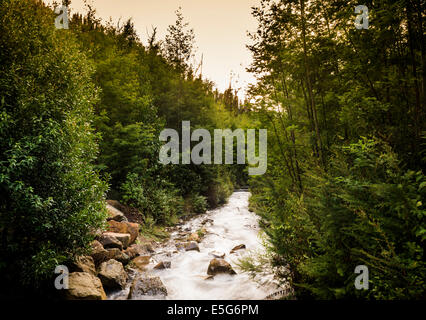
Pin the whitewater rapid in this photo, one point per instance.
(228, 226)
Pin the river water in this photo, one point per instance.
(228, 226)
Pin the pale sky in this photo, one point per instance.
(220, 30)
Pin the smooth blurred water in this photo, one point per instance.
(233, 224)
(229, 226)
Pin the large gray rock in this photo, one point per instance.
(112, 274)
(217, 266)
(147, 286)
(115, 240)
(109, 242)
(85, 286)
(189, 246)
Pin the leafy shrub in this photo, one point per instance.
(220, 189)
(133, 193)
(371, 212)
(365, 210)
(51, 199)
(199, 204)
(160, 203)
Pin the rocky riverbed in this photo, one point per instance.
(199, 261)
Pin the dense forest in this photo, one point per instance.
(81, 113)
(345, 109)
(82, 109)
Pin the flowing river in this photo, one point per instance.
(227, 227)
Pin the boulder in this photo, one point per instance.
(141, 262)
(147, 286)
(217, 254)
(136, 250)
(125, 227)
(115, 240)
(109, 241)
(115, 214)
(99, 254)
(188, 246)
(239, 247)
(84, 264)
(118, 255)
(217, 266)
(163, 265)
(85, 286)
(112, 274)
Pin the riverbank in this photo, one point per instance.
(200, 260)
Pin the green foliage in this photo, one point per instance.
(365, 210)
(199, 204)
(51, 198)
(160, 203)
(371, 212)
(87, 102)
(332, 199)
(219, 191)
(179, 42)
(145, 90)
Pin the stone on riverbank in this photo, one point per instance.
(84, 264)
(99, 254)
(125, 227)
(141, 262)
(115, 240)
(192, 246)
(118, 255)
(112, 274)
(188, 246)
(143, 286)
(115, 214)
(85, 286)
(136, 250)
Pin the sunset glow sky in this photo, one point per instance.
(220, 28)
